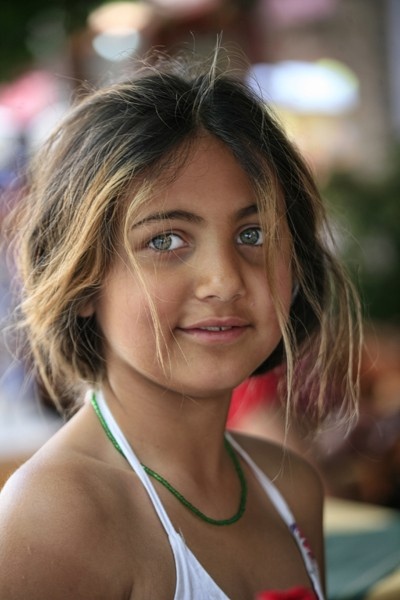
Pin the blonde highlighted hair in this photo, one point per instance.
(75, 212)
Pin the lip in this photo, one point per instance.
(217, 322)
(216, 330)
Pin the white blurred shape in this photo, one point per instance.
(41, 126)
(324, 87)
(116, 45)
(9, 134)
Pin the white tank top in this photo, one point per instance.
(192, 580)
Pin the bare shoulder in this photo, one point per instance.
(298, 482)
(292, 474)
(54, 537)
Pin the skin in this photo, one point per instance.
(74, 520)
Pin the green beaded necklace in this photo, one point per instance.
(170, 488)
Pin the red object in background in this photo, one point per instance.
(286, 13)
(29, 95)
(252, 393)
(296, 593)
(187, 8)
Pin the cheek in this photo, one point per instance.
(142, 309)
(166, 291)
(119, 305)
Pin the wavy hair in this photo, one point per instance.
(125, 137)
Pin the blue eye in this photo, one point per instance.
(252, 236)
(166, 242)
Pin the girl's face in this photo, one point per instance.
(199, 247)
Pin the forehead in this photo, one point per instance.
(207, 177)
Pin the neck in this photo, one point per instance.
(101, 411)
(166, 428)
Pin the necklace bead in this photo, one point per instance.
(219, 522)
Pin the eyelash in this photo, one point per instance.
(170, 235)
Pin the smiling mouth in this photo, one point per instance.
(215, 334)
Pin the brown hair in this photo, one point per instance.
(75, 208)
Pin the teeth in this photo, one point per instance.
(216, 328)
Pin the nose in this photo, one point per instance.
(219, 275)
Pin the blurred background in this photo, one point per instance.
(331, 71)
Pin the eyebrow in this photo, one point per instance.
(184, 215)
(247, 211)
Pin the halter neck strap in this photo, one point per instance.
(135, 464)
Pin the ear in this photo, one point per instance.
(87, 309)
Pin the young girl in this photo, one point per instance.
(172, 246)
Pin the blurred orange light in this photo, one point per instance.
(120, 16)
